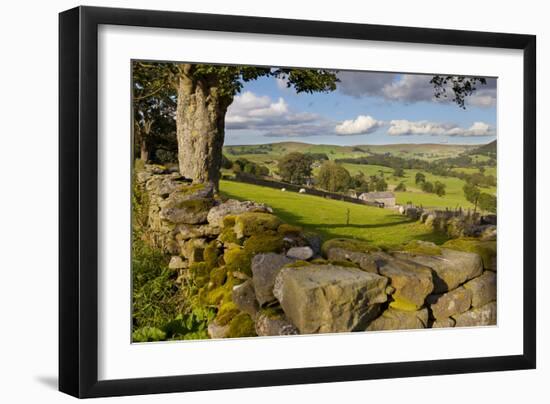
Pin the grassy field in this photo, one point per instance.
(453, 198)
(454, 193)
(327, 217)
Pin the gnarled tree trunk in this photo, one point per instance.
(200, 122)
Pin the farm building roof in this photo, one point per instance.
(377, 195)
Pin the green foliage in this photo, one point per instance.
(427, 186)
(461, 86)
(148, 334)
(471, 193)
(226, 163)
(439, 188)
(378, 184)
(487, 202)
(419, 178)
(295, 168)
(250, 168)
(401, 187)
(333, 177)
(399, 172)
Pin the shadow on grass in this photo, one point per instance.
(324, 229)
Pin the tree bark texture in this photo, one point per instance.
(200, 122)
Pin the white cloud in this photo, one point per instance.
(274, 118)
(363, 124)
(407, 128)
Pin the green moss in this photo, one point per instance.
(274, 313)
(241, 325)
(218, 276)
(189, 189)
(319, 261)
(347, 264)
(211, 254)
(348, 244)
(402, 304)
(485, 248)
(422, 247)
(220, 294)
(228, 236)
(264, 243)
(199, 273)
(237, 259)
(288, 229)
(195, 205)
(298, 264)
(250, 223)
(229, 221)
(226, 312)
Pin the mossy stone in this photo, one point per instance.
(211, 254)
(218, 276)
(229, 221)
(264, 243)
(273, 313)
(347, 264)
(486, 249)
(422, 247)
(238, 259)
(348, 244)
(250, 223)
(226, 312)
(195, 205)
(288, 229)
(241, 325)
(220, 294)
(319, 261)
(228, 235)
(297, 264)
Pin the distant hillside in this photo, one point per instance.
(425, 151)
(489, 149)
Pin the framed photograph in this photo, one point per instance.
(251, 201)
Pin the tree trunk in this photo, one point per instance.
(200, 122)
(144, 150)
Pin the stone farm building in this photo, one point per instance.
(385, 198)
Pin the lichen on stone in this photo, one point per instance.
(402, 304)
(346, 264)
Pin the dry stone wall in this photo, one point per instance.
(265, 277)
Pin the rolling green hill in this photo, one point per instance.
(327, 217)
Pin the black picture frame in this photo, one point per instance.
(78, 201)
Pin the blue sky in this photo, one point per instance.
(366, 108)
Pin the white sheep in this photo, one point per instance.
(302, 190)
(283, 189)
